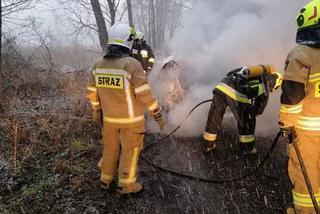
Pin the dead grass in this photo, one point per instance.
(42, 110)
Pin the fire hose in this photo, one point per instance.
(207, 180)
(234, 179)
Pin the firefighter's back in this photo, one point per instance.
(118, 102)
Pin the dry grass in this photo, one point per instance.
(43, 109)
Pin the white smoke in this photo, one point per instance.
(219, 36)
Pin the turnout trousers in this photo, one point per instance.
(309, 145)
(121, 149)
(243, 113)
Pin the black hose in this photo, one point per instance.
(178, 127)
(207, 180)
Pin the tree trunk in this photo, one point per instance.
(144, 21)
(112, 8)
(1, 77)
(102, 28)
(130, 13)
(153, 24)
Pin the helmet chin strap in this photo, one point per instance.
(309, 36)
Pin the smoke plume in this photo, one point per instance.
(218, 36)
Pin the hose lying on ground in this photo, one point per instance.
(207, 180)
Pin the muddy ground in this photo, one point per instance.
(48, 163)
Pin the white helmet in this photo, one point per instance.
(121, 34)
(140, 35)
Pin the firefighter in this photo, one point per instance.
(300, 101)
(143, 53)
(246, 92)
(119, 91)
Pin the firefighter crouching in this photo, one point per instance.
(300, 107)
(143, 53)
(119, 89)
(246, 91)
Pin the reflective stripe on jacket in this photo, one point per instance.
(144, 54)
(300, 98)
(121, 87)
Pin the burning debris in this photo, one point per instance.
(172, 82)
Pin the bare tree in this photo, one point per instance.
(112, 9)
(43, 39)
(130, 16)
(101, 24)
(82, 12)
(159, 19)
(9, 7)
(152, 23)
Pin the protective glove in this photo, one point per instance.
(156, 115)
(289, 133)
(96, 116)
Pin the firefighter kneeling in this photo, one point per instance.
(121, 97)
(246, 91)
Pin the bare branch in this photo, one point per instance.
(9, 7)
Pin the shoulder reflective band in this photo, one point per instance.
(308, 123)
(314, 77)
(123, 120)
(291, 109)
(144, 53)
(304, 200)
(209, 137)
(152, 60)
(233, 93)
(247, 138)
(142, 88)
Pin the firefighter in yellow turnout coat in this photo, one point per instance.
(119, 89)
(300, 106)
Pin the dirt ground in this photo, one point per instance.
(48, 164)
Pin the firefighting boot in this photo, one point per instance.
(105, 186)
(251, 152)
(211, 145)
(134, 188)
(291, 210)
